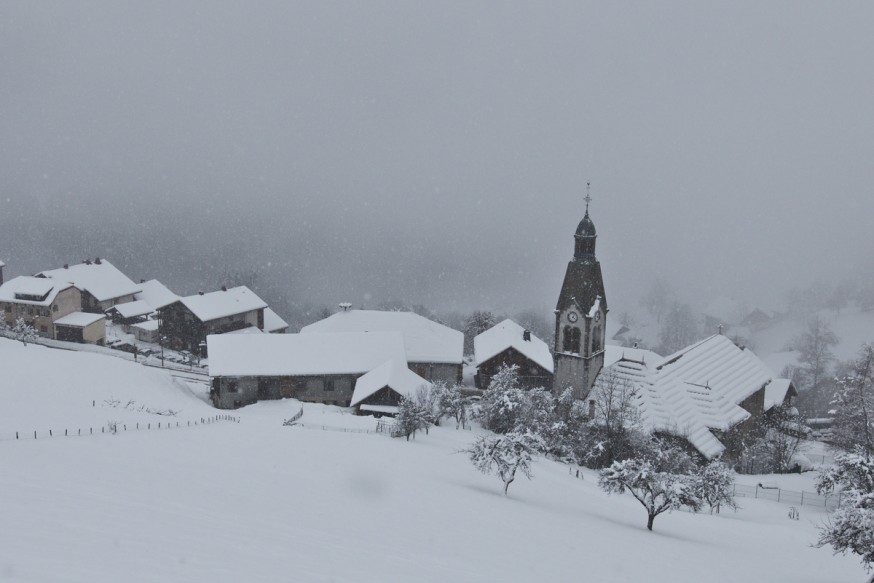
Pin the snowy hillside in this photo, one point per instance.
(256, 501)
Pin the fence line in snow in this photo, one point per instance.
(114, 428)
(329, 428)
(792, 497)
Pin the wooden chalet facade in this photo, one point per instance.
(186, 323)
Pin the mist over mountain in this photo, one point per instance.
(437, 154)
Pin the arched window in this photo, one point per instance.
(596, 339)
(571, 341)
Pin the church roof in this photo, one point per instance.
(586, 228)
(694, 391)
(582, 286)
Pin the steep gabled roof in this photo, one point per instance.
(102, 280)
(509, 334)
(220, 304)
(302, 354)
(45, 289)
(582, 285)
(426, 340)
(392, 374)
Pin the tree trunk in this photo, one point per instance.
(650, 520)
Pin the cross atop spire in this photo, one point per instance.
(588, 198)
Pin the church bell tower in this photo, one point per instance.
(580, 316)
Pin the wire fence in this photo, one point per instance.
(331, 428)
(791, 497)
(113, 428)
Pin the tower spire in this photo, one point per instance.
(588, 198)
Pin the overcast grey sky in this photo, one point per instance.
(437, 152)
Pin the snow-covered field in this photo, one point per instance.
(256, 501)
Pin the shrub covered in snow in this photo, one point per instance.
(506, 454)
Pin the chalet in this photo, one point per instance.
(102, 285)
(379, 392)
(318, 368)
(700, 393)
(187, 322)
(81, 327)
(506, 344)
(433, 351)
(39, 301)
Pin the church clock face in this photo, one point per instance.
(572, 317)
(597, 316)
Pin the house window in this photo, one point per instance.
(43, 329)
(55, 307)
(7, 308)
(329, 385)
(232, 386)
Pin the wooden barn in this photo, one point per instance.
(506, 344)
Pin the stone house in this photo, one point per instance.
(187, 322)
(317, 368)
(506, 344)
(433, 351)
(39, 301)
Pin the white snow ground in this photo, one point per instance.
(256, 501)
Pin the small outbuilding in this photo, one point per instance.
(81, 327)
(379, 391)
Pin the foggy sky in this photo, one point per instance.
(437, 152)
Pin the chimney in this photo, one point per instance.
(66, 266)
(200, 293)
(97, 260)
(224, 288)
(526, 335)
(345, 306)
(142, 280)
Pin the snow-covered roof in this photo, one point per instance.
(102, 280)
(391, 409)
(614, 353)
(509, 334)
(247, 330)
(302, 354)
(156, 294)
(220, 304)
(392, 374)
(426, 341)
(695, 390)
(148, 325)
(46, 289)
(775, 392)
(133, 309)
(272, 321)
(79, 319)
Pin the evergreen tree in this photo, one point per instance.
(23, 331)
